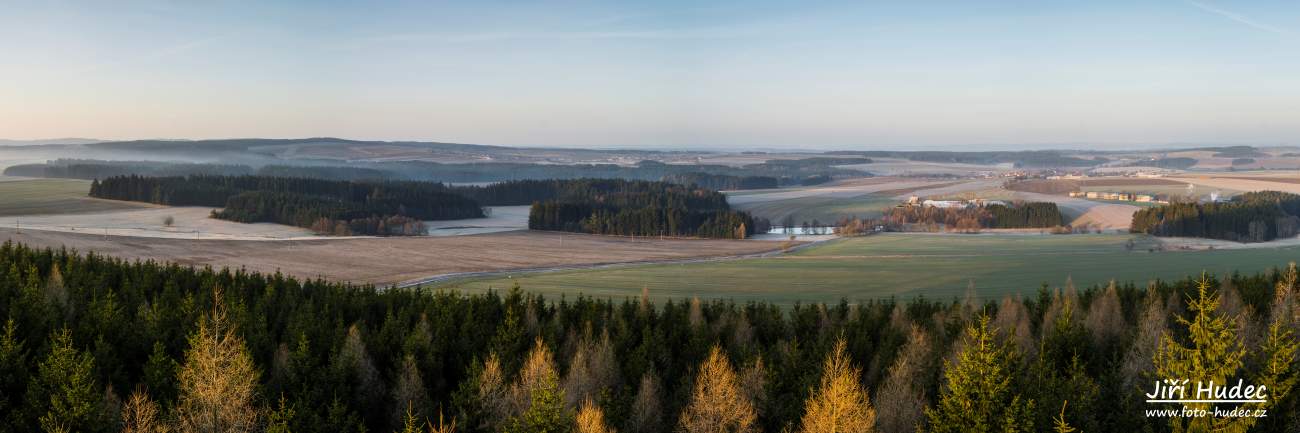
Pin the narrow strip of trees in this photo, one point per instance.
(722, 182)
(972, 218)
(639, 208)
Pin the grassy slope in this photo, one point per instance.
(53, 196)
(906, 265)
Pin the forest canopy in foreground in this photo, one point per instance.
(95, 344)
(1250, 217)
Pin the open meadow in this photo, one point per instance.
(905, 265)
(48, 196)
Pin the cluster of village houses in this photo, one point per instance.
(1119, 196)
(952, 204)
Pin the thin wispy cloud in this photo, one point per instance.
(165, 52)
(509, 36)
(1241, 19)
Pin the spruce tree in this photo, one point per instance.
(979, 394)
(65, 393)
(1213, 353)
(13, 377)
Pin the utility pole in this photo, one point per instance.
(17, 228)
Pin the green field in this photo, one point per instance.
(822, 208)
(51, 196)
(905, 265)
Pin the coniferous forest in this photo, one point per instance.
(1250, 217)
(95, 344)
(341, 207)
(722, 182)
(640, 208)
(326, 206)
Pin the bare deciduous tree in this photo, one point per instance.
(753, 383)
(696, 313)
(218, 381)
(591, 419)
(1105, 319)
(409, 391)
(140, 414)
(593, 369)
(839, 405)
(493, 395)
(538, 368)
(647, 410)
(1285, 309)
(355, 357)
(1138, 361)
(901, 398)
(1014, 318)
(1060, 300)
(718, 405)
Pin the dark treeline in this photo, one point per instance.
(362, 207)
(325, 172)
(1023, 158)
(1025, 215)
(1236, 152)
(1179, 163)
(1250, 217)
(722, 182)
(93, 344)
(99, 169)
(639, 208)
(1015, 215)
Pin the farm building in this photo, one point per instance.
(945, 204)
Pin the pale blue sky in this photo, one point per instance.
(739, 74)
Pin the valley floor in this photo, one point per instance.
(937, 266)
(394, 259)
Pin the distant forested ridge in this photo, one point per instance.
(1023, 158)
(723, 182)
(100, 169)
(993, 216)
(786, 172)
(327, 206)
(641, 208)
(1250, 217)
(1179, 163)
(97, 345)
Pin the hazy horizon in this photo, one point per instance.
(675, 75)
(719, 148)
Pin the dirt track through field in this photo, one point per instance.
(392, 260)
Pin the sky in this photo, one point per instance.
(671, 74)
